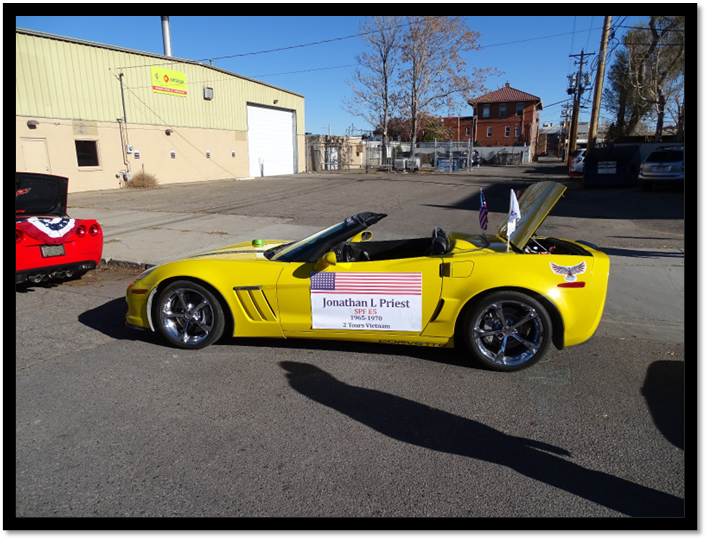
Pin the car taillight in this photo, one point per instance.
(93, 230)
(81, 231)
(641, 167)
(18, 236)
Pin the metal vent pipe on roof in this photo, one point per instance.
(166, 38)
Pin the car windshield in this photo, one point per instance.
(665, 156)
(291, 251)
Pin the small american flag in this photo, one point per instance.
(483, 211)
(366, 283)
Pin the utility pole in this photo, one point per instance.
(578, 97)
(661, 113)
(596, 103)
(564, 131)
(681, 121)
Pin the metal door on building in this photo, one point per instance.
(271, 141)
(36, 156)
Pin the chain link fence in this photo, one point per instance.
(336, 154)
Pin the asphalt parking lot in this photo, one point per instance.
(110, 422)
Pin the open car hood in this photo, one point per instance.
(40, 194)
(535, 204)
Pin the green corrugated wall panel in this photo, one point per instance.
(62, 79)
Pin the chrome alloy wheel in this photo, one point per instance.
(186, 315)
(509, 333)
(507, 330)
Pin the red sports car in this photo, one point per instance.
(48, 243)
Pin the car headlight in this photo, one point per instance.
(146, 273)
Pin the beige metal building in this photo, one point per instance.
(94, 112)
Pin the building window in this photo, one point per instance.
(519, 109)
(502, 110)
(517, 132)
(488, 131)
(486, 111)
(87, 153)
(468, 131)
(507, 132)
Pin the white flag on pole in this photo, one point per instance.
(513, 215)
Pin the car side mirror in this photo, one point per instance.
(327, 260)
(363, 236)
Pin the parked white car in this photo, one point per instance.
(664, 166)
(577, 163)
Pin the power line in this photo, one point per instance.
(341, 39)
(535, 38)
(305, 70)
(302, 45)
(647, 28)
(556, 103)
(276, 50)
(165, 123)
(590, 32)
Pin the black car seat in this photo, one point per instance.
(440, 243)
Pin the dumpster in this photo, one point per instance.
(612, 166)
(401, 163)
(449, 165)
(443, 165)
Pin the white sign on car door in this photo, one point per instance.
(366, 301)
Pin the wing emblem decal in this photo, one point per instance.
(570, 272)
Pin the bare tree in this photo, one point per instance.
(433, 76)
(648, 74)
(373, 80)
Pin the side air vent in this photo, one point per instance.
(255, 304)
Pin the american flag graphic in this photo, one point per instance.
(366, 283)
(483, 211)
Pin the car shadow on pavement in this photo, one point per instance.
(420, 425)
(664, 392)
(109, 319)
(642, 254)
(445, 356)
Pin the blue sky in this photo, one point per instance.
(533, 52)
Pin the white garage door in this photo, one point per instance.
(271, 136)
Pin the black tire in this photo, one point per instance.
(188, 315)
(507, 331)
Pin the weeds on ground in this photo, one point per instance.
(143, 180)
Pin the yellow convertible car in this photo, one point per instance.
(505, 301)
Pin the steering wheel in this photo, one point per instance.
(349, 253)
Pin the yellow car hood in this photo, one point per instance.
(245, 251)
(535, 204)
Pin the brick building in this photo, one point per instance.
(507, 117)
(457, 128)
